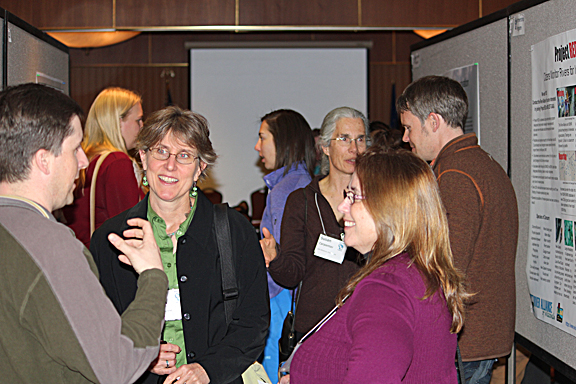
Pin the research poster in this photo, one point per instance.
(551, 252)
(467, 76)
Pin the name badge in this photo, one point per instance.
(330, 248)
(173, 311)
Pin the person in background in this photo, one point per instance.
(200, 347)
(399, 315)
(286, 146)
(482, 213)
(57, 324)
(312, 212)
(319, 153)
(390, 137)
(114, 120)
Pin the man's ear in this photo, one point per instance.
(43, 160)
(435, 121)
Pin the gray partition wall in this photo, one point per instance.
(33, 57)
(541, 21)
(505, 81)
(486, 45)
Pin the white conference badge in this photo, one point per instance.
(330, 248)
(173, 310)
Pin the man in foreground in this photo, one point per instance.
(57, 324)
(482, 215)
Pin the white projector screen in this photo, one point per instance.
(234, 87)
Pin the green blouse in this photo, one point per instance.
(173, 330)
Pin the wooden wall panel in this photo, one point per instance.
(130, 13)
(298, 12)
(418, 12)
(62, 13)
(403, 41)
(87, 82)
(128, 52)
(491, 6)
(137, 64)
(382, 76)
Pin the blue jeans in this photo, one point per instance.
(478, 372)
(279, 307)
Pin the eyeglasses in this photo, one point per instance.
(352, 197)
(346, 141)
(181, 157)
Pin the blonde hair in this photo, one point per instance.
(102, 132)
(402, 196)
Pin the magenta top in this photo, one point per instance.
(384, 333)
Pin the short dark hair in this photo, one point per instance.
(32, 117)
(293, 139)
(437, 94)
(189, 127)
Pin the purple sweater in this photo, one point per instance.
(384, 333)
(280, 186)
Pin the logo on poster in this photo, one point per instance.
(565, 52)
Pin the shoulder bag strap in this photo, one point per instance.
(292, 330)
(229, 286)
(93, 192)
(461, 377)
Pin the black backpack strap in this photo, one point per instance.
(229, 286)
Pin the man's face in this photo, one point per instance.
(419, 136)
(66, 167)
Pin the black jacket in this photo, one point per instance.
(224, 352)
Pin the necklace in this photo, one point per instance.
(192, 194)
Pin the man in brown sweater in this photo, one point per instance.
(482, 214)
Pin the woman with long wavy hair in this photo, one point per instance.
(398, 317)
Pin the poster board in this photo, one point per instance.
(34, 57)
(468, 47)
(501, 43)
(541, 21)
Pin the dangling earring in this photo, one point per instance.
(145, 180)
(194, 191)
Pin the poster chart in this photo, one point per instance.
(468, 77)
(551, 253)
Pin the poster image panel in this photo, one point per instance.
(467, 76)
(551, 252)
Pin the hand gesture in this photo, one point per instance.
(139, 249)
(268, 244)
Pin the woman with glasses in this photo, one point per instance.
(399, 316)
(286, 146)
(312, 226)
(199, 346)
(114, 120)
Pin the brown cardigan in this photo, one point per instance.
(323, 279)
(483, 218)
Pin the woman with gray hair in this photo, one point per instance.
(312, 225)
(200, 346)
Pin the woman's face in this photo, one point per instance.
(169, 180)
(359, 227)
(343, 154)
(266, 147)
(130, 125)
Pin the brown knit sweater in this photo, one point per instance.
(483, 218)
